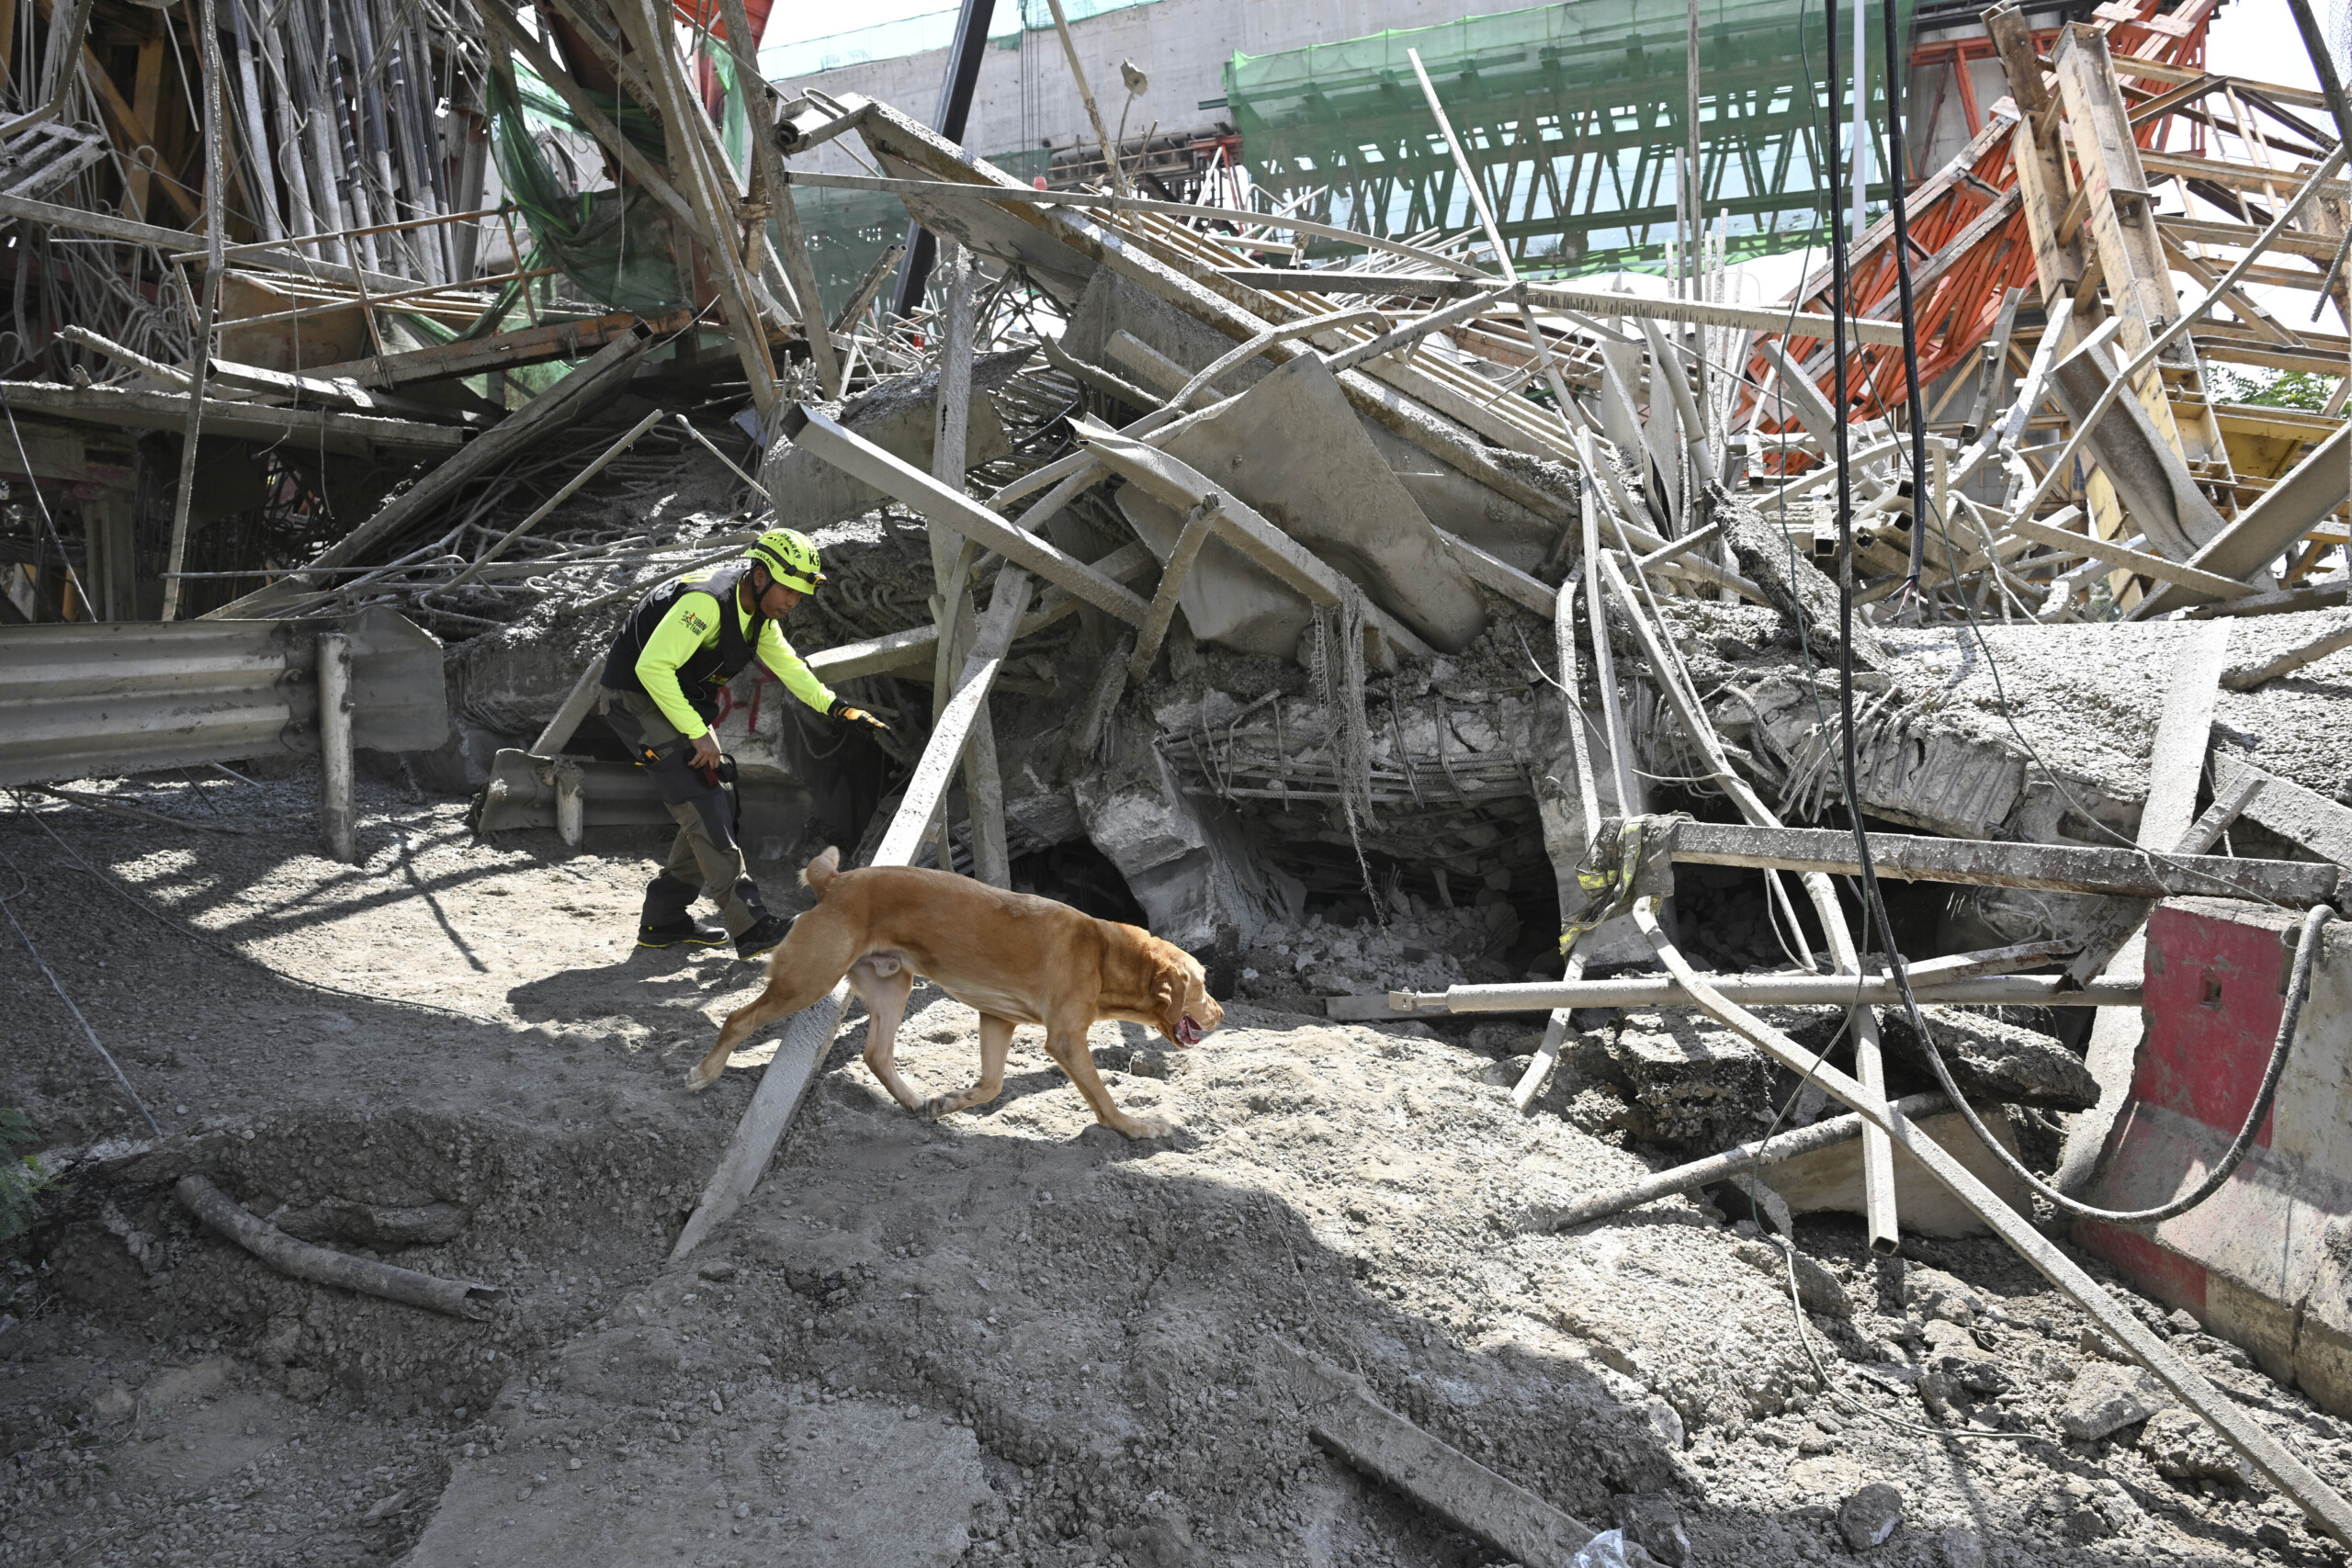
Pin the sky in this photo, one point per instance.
(2258, 38)
(2250, 38)
(796, 24)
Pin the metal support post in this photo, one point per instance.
(338, 810)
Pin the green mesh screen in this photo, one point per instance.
(848, 230)
(1572, 115)
(613, 245)
(611, 248)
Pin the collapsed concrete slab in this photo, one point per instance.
(1291, 449)
(901, 416)
(1184, 858)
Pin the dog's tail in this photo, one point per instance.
(821, 870)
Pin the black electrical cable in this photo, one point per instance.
(1839, 304)
(24, 885)
(1898, 203)
(1789, 1249)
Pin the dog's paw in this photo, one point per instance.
(1147, 1127)
(703, 1076)
(937, 1106)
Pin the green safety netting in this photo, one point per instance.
(613, 247)
(1573, 115)
(847, 229)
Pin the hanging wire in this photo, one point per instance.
(7, 909)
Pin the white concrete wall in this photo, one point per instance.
(1181, 45)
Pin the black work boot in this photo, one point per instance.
(762, 938)
(685, 931)
(667, 899)
(664, 922)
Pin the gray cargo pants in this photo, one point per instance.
(704, 857)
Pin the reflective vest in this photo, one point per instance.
(713, 664)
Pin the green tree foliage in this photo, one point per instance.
(2272, 388)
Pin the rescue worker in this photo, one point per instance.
(684, 642)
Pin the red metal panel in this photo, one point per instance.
(2213, 1007)
(2172, 1279)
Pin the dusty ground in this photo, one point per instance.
(1010, 1338)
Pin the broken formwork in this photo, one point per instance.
(1321, 555)
(1225, 495)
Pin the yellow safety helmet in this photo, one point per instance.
(790, 559)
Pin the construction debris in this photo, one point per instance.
(1860, 698)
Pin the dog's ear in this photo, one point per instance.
(1172, 993)
(1171, 988)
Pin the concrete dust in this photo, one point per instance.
(1012, 1337)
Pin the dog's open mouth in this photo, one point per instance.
(1188, 1034)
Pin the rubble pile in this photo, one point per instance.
(1873, 753)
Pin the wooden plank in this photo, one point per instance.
(1994, 863)
(2039, 159)
(2123, 225)
(2237, 236)
(518, 430)
(809, 1034)
(500, 351)
(2289, 509)
(2238, 175)
(357, 434)
(1198, 526)
(2134, 66)
(2140, 561)
(902, 482)
(2301, 816)
(1346, 1420)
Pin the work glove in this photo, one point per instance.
(841, 712)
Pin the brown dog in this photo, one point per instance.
(1013, 957)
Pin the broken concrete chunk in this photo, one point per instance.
(1871, 1517)
(1954, 1358)
(2107, 1398)
(1934, 1294)
(1832, 1179)
(1817, 1288)
(1806, 599)
(1990, 1060)
(2184, 1448)
(1962, 1548)
(1654, 1525)
(1690, 1079)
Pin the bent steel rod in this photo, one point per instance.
(1769, 990)
(1715, 1167)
